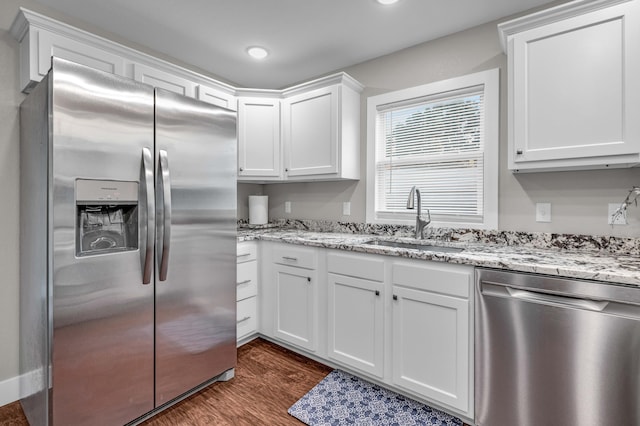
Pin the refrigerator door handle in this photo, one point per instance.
(149, 226)
(165, 184)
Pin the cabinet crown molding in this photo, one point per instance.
(547, 16)
(330, 80)
(27, 20)
(338, 78)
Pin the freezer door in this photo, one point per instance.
(102, 335)
(195, 243)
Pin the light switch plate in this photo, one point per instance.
(620, 220)
(543, 212)
(287, 206)
(346, 208)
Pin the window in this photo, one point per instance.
(443, 138)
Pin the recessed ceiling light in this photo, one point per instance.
(387, 2)
(257, 52)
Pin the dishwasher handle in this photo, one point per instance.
(591, 305)
(545, 298)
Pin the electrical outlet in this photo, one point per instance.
(621, 219)
(287, 206)
(543, 212)
(346, 208)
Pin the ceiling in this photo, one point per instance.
(305, 38)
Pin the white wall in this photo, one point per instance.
(579, 199)
(10, 98)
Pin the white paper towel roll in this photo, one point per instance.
(258, 209)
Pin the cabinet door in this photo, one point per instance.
(247, 280)
(356, 323)
(259, 139)
(164, 80)
(295, 310)
(575, 91)
(430, 354)
(217, 97)
(310, 132)
(49, 44)
(246, 318)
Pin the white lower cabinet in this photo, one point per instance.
(247, 291)
(295, 290)
(355, 311)
(404, 323)
(246, 318)
(432, 343)
(355, 332)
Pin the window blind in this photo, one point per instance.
(436, 144)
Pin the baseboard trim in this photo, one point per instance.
(9, 390)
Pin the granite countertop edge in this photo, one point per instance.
(601, 266)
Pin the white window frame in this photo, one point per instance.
(490, 82)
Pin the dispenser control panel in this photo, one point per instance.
(106, 191)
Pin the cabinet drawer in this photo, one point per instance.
(246, 317)
(295, 256)
(359, 266)
(247, 251)
(247, 280)
(453, 280)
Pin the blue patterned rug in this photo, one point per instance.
(343, 399)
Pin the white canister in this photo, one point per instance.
(258, 209)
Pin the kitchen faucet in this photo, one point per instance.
(420, 223)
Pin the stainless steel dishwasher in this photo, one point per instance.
(552, 351)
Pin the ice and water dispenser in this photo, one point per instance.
(106, 216)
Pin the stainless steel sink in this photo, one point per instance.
(414, 246)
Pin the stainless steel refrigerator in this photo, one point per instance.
(128, 243)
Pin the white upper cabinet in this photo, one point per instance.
(315, 137)
(310, 132)
(164, 80)
(259, 154)
(574, 91)
(217, 97)
(321, 133)
(41, 38)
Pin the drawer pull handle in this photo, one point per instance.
(308, 279)
(377, 292)
(243, 282)
(519, 152)
(293, 259)
(243, 255)
(395, 297)
(242, 320)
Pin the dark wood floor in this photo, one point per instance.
(269, 379)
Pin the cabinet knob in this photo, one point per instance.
(519, 152)
(286, 170)
(377, 292)
(395, 297)
(241, 169)
(308, 279)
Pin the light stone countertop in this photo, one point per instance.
(599, 265)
